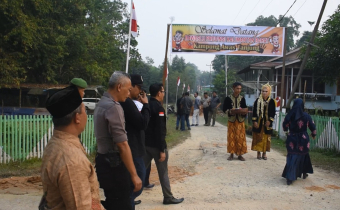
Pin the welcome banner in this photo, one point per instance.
(228, 40)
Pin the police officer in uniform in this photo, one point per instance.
(114, 164)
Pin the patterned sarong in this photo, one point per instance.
(261, 141)
(236, 140)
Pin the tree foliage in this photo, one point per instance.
(53, 41)
(325, 58)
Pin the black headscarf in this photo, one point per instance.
(297, 111)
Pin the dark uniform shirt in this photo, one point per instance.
(186, 105)
(135, 124)
(156, 131)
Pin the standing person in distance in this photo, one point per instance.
(235, 106)
(298, 161)
(263, 117)
(214, 104)
(135, 123)
(179, 111)
(114, 163)
(186, 105)
(155, 143)
(205, 101)
(196, 114)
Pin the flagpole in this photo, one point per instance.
(128, 48)
(176, 99)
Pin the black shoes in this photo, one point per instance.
(149, 186)
(176, 128)
(289, 182)
(196, 125)
(138, 202)
(305, 175)
(172, 200)
(192, 125)
(189, 129)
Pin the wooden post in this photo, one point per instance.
(305, 58)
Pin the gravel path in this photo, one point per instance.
(200, 172)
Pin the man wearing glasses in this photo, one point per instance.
(155, 143)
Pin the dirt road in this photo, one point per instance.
(200, 172)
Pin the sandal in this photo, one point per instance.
(241, 158)
(259, 155)
(231, 157)
(264, 156)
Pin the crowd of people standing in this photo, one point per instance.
(130, 131)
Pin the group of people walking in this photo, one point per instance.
(296, 122)
(130, 132)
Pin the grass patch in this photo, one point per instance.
(222, 118)
(173, 136)
(24, 168)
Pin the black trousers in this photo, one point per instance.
(116, 183)
(206, 114)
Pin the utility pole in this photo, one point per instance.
(226, 75)
(210, 75)
(305, 58)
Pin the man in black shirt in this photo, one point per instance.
(135, 124)
(155, 143)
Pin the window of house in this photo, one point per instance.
(338, 87)
(319, 86)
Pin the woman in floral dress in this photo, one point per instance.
(298, 161)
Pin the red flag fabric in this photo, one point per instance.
(178, 81)
(133, 21)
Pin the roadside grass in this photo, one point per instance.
(327, 159)
(24, 168)
(32, 166)
(173, 136)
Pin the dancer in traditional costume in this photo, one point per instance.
(235, 106)
(263, 117)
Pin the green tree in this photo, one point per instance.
(291, 25)
(325, 58)
(305, 37)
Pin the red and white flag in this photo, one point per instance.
(188, 88)
(133, 21)
(183, 86)
(161, 114)
(178, 81)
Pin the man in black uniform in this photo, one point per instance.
(135, 124)
(155, 143)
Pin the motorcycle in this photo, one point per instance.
(171, 109)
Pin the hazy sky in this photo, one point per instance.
(154, 15)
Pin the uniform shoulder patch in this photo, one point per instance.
(161, 114)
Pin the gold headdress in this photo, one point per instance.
(260, 101)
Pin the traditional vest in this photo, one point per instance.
(239, 117)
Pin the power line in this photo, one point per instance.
(299, 8)
(251, 11)
(285, 13)
(240, 10)
(266, 7)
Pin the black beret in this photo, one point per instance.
(63, 102)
